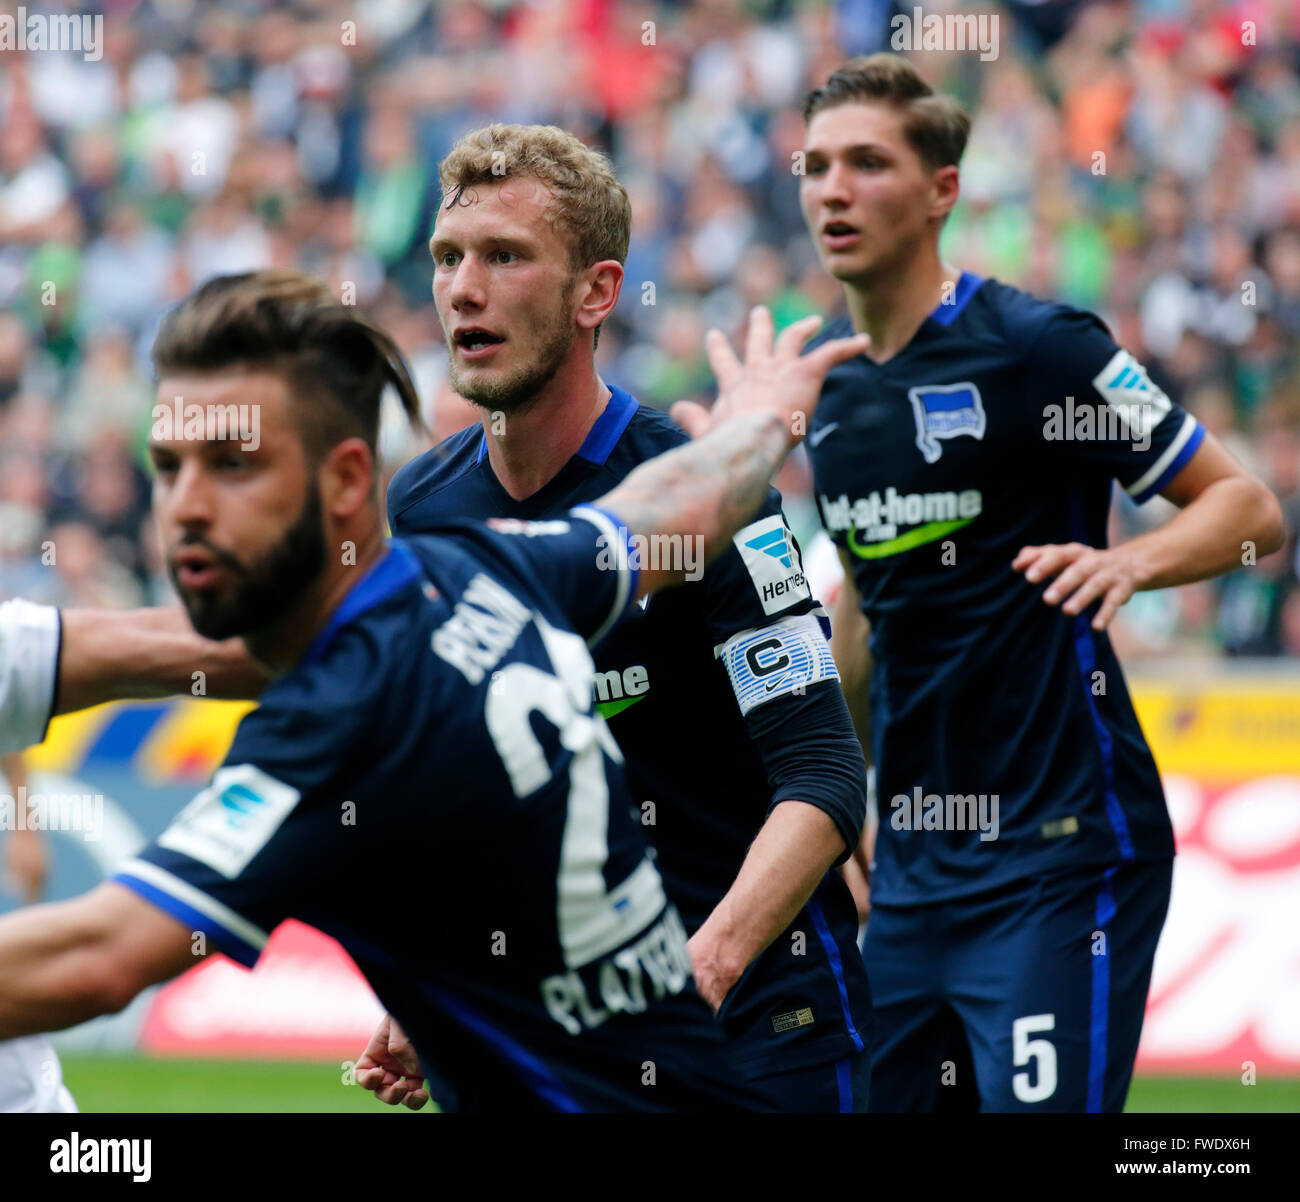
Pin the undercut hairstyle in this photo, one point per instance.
(935, 126)
(335, 361)
(589, 205)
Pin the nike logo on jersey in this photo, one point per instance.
(815, 437)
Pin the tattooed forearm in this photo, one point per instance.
(706, 489)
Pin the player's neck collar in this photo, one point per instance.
(397, 568)
(605, 431)
(946, 312)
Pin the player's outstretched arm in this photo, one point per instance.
(54, 661)
(709, 488)
(66, 962)
(121, 654)
(1225, 512)
(57, 661)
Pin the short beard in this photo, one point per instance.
(518, 390)
(270, 588)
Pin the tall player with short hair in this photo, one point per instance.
(431, 699)
(964, 466)
(722, 694)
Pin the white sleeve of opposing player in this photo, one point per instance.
(31, 1078)
(29, 662)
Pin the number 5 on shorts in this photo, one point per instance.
(1040, 1051)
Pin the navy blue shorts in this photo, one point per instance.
(835, 1087)
(1025, 998)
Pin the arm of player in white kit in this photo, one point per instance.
(65, 962)
(57, 661)
(29, 657)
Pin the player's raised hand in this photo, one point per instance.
(775, 377)
(390, 1068)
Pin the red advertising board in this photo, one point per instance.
(1226, 989)
(305, 998)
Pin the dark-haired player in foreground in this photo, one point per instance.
(723, 697)
(964, 467)
(430, 699)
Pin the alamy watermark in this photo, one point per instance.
(69, 33)
(654, 552)
(1113, 422)
(98, 1154)
(952, 812)
(919, 30)
(28, 811)
(192, 422)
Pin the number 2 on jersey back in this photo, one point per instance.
(591, 920)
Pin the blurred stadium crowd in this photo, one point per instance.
(1138, 159)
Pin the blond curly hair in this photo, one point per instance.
(590, 206)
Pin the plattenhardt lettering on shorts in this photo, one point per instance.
(951, 812)
(91, 1155)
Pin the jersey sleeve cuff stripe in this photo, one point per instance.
(1175, 457)
(240, 939)
(620, 541)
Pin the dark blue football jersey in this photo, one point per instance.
(439, 733)
(1004, 739)
(683, 682)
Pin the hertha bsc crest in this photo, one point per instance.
(945, 411)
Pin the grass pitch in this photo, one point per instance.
(140, 1085)
(137, 1084)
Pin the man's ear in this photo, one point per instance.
(347, 478)
(604, 282)
(945, 190)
